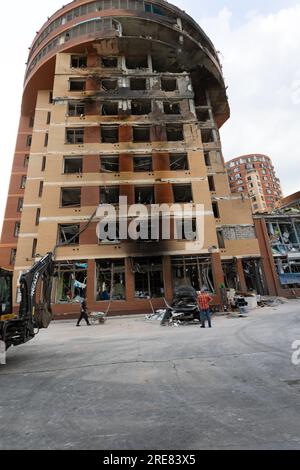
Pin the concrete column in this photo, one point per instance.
(241, 275)
(218, 274)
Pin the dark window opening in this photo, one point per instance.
(108, 85)
(29, 141)
(78, 62)
(13, 255)
(179, 162)
(48, 118)
(174, 132)
(169, 84)
(142, 164)
(76, 109)
(216, 211)
(110, 134)
(145, 195)
(149, 279)
(138, 84)
(109, 62)
(211, 183)
(207, 159)
(20, 205)
(41, 189)
(203, 115)
(133, 63)
(109, 164)
(31, 121)
(185, 229)
(110, 108)
(26, 161)
(183, 193)
(221, 240)
(110, 280)
(195, 271)
(71, 197)
(75, 136)
(51, 97)
(46, 139)
(23, 182)
(141, 134)
(151, 8)
(44, 160)
(207, 136)
(70, 281)
(34, 246)
(110, 195)
(73, 165)
(77, 85)
(37, 217)
(17, 229)
(68, 234)
(171, 108)
(141, 107)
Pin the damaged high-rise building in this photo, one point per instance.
(124, 98)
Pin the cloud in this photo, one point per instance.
(261, 64)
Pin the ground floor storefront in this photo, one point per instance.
(141, 284)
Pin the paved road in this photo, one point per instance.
(132, 384)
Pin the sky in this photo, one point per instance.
(258, 44)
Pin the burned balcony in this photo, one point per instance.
(207, 136)
(183, 193)
(141, 107)
(109, 62)
(169, 84)
(138, 84)
(109, 134)
(142, 164)
(77, 84)
(76, 109)
(203, 114)
(109, 164)
(70, 197)
(179, 162)
(137, 62)
(72, 165)
(145, 195)
(109, 84)
(110, 195)
(174, 132)
(75, 136)
(171, 108)
(68, 234)
(141, 134)
(110, 108)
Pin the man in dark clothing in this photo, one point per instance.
(83, 314)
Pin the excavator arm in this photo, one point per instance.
(32, 316)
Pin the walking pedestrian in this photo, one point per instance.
(203, 301)
(83, 314)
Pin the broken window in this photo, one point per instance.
(13, 254)
(195, 271)
(203, 115)
(43, 164)
(110, 108)
(34, 246)
(182, 193)
(70, 281)
(109, 134)
(216, 211)
(254, 276)
(78, 61)
(70, 197)
(149, 279)
(48, 118)
(68, 234)
(141, 134)
(207, 136)
(76, 108)
(142, 164)
(23, 182)
(77, 84)
(211, 183)
(169, 84)
(144, 195)
(75, 136)
(46, 139)
(109, 62)
(207, 159)
(174, 132)
(29, 140)
(110, 280)
(109, 164)
(20, 204)
(179, 162)
(138, 84)
(110, 195)
(141, 107)
(171, 108)
(185, 229)
(133, 63)
(109, 84)
(72, 165)
(17, 229)
(221, 240)
(151, 8)
(26, 161)
(37, 218)
(41, 188)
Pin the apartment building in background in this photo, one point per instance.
(254, 176)
(124, 98)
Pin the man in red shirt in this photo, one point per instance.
(203, 301)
